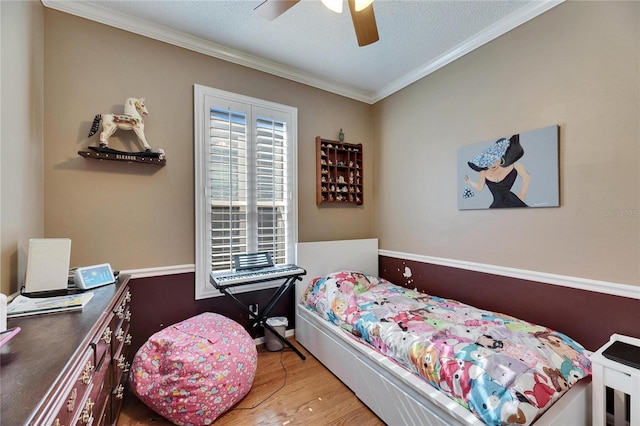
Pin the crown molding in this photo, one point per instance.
(144, 28)
(138, 26)
(501, 27)
(605, 287)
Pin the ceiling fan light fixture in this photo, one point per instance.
(362, 4)
(334, 5)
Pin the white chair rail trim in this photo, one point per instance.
(605, 287)
(185, 269)
(160, 271)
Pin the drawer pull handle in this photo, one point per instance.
(71, 402)
(56, 422)
(127, 296)
(127, 366)
(120, 391)
(87, 413)
(121, 360)
(106, 336)
(120, 311)
(127, 316)
(85, 378)
(119, 335)
(127, 341)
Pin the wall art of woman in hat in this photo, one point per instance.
(498, 168)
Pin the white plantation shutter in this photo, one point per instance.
(228, 176)
(245, 181)
(272, 189)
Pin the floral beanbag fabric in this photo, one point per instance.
(194, 371)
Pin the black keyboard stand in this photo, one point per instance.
(260, 319)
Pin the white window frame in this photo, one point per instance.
(204, 98)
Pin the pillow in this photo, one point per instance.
(337, 287)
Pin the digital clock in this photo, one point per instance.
(88, 277)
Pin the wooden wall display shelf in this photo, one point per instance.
(339, 175)
(98, 153)
(69, 368)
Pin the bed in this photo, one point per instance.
(396, 393)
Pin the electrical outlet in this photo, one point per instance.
(254, 308)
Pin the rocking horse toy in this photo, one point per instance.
(131, 119)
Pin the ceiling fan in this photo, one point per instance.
(364, 20)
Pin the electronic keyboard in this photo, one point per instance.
(254, 268)
(226, 278)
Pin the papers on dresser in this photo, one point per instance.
(24, 306)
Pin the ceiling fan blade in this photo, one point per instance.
(271, 9)
(364, 22)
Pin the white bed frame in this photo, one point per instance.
(394, 394)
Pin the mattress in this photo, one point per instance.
(502, 369)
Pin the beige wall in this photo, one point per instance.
(21, 186)
(140, 216)
(576, 66)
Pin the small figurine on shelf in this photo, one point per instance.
(131, 119)
(134, 109)
(341, 135)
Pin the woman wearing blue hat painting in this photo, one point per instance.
(499, 167)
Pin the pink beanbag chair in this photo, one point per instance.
(194, 371)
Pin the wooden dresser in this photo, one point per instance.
(69, 368)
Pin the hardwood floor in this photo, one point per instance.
(286, 391)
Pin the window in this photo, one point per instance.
(245, 178)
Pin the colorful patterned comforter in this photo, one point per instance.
(505, 370)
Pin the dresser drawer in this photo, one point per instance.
(99, 397)
(77, 392)
(95, 398)
(122, 305)
(121, 362)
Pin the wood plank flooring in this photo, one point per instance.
(286, 391)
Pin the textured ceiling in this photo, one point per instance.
(313, 45)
